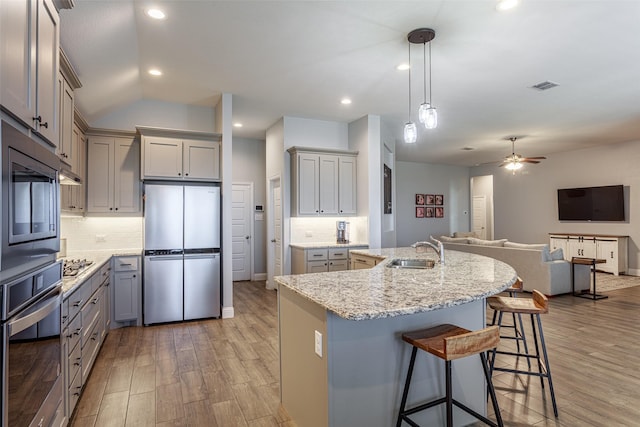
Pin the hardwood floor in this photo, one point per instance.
(225, 372)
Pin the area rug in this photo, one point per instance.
(608, 282)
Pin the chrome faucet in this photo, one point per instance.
(439, 248)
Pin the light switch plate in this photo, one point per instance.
(318, 343)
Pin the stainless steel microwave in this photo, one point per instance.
(30, 203)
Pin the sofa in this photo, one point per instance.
(538, 268)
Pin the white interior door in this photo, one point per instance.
(480, 216)
(241, 206)
(274, 232)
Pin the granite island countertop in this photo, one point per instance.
(382, 292)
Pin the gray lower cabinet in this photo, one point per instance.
(320, 259)
(127, 289)
(83, 331)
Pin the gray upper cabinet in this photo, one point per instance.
(179, 155)
(323, 182)
(113, 174)
(29, 30)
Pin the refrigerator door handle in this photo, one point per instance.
(163, 258)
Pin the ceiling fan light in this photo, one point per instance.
(513, 165)
(410, 133)
(431, 118)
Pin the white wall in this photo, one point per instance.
(526, 206)
(425, 178)
(249, 167)
(301, 132)
(160, 114)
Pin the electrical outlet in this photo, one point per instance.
(318, 343)
(100, 238)
(308, 234)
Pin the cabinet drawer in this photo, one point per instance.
(129, 263)
(64, 314)
(90, 350)
(338, 253)
(74, 332)
(75, 387)
(359, 261)
(90, 314)
(316, 266)
(74, 363)
(339, 265)
(79, 298)
(100, 277)
(316, 254)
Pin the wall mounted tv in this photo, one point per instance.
(591, 203)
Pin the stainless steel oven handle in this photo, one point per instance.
(36, 313)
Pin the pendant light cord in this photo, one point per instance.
(430, 104)
(409, 81)
(424, 68)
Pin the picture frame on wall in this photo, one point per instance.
(419, 199)
(429, 199)
(429, 212)
(439, 212)
(419, 212)
(439, 199)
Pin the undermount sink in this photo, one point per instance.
(411, 263)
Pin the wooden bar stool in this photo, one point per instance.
(518, 328)
(450, 342)
(535, 306)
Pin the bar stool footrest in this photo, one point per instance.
(405, 415)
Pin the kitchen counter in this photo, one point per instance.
(323, 245)
(99, 258)
(340, 331)
(387, 292)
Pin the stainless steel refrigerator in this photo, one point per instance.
(181, 252)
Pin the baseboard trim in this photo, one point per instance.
(227, 312)
(633, 272)
(260, 276)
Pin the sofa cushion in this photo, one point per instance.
(473, 241)
(539, 246)
(465, 234)
(454, 239)
(556, 255)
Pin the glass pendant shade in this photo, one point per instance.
(410, 133)
(422, 112)
(513, 166)
(431, 117)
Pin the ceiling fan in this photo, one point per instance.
(515, 161)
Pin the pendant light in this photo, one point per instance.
(427, 113)
(410, 130)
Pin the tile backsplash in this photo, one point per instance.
(323, 229)
(101, 233)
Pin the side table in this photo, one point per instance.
(586, 261)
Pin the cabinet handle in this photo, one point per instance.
(95, 300)
(38, 119)
(77, 331)
(77, 303)
(317, 255)
(94, 336)
(611, 254)
(77, 363)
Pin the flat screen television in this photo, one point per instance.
(591, 203)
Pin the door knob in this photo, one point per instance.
(247, 237)
(273, 240)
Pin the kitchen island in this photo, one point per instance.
(342, 361)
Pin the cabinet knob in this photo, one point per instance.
(179, 174)
(45, 125)
(134, 275)
(110, 209)
(116, 208)
(186, 174)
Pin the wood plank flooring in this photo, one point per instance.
(226, 372)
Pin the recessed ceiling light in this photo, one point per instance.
(156, 14)
(237, 125)
(402, 67)
(506, 4)
(155, 72)
(345, 101)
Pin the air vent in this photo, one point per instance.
(468, 148)
(544, 85)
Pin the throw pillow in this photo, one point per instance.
(537, 246)
(481, 242)
(557, 254)
(465, 234)
(454, 239)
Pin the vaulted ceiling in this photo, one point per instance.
(300, 58)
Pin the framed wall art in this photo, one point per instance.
(439, 199)
(419, 212)
(419, 199)
(439, 212)
(428, 212)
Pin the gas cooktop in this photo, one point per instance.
(73, 267)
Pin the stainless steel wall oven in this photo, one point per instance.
(30, 200)
(32, 382)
